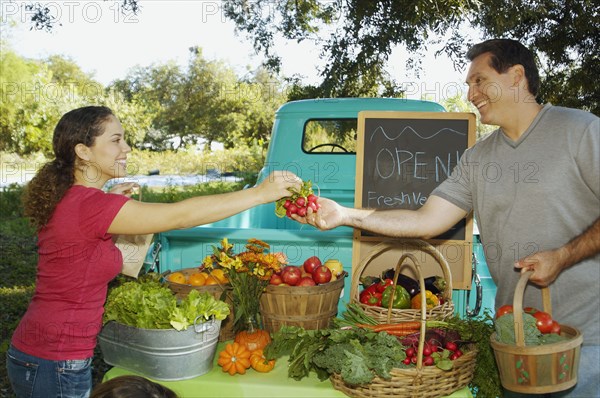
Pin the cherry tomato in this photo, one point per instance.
(530, 310)
(543, 321)
(505, 309)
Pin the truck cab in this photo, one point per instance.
(316, 140)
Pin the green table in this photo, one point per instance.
(276, 383)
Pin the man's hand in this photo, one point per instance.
(546, 266)
(329, 215)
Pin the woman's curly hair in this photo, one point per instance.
(47, 188)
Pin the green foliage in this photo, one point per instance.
(36, 93)
(357, 37)
(205, 101)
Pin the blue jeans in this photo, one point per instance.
(588, 378)
(33, 377)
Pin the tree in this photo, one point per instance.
(356, 37)
(34, 94)
(361, 37)
(204, 102)
(28, 111)
(563, 32)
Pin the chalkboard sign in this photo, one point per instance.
(403, 156)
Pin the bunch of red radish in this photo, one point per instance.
(298, 202)
(300, 205)
(430, 348)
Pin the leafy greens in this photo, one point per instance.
(357, 355)
(146, 303)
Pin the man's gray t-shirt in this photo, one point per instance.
(536, 194)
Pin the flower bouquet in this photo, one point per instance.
(249, 273)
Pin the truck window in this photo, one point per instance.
(330, 135)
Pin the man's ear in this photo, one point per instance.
(518, 74)
(82, 151)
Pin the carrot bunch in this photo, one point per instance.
(400, 329)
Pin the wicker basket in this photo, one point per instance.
(421, 381)
(537, 369)
(220, 292)
(388, 315)
(310, 307)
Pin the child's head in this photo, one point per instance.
(131, 387)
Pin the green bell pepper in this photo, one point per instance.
(401, 297)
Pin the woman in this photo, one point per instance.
(51, 349)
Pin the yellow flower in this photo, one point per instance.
(225, 244)
(237, 264)
(225, 261)
(208, 262)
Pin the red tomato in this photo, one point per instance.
(543, 321)
(530, 310)
(505, 309)
(555, 327)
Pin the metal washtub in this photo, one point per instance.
(161, 354)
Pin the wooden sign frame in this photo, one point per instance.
(457, 252)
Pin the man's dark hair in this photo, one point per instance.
(506, 53)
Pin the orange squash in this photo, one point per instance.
(234, 359)
(253, 339)
(260, 363)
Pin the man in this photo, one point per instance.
(540, 211)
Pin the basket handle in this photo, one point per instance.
(405, 244)
(518, 306)
(415, 264)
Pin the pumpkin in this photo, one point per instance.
(235, 358)
(253, 339)
(260, 363)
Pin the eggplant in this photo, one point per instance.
(411, 285)
(435, 284)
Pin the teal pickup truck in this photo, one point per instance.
(316, 140)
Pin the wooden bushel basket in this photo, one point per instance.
(310, 307)
(420, 381)
(385, 315)
(542, 368)
(220, 292)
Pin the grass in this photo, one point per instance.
(18, 261)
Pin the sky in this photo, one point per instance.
(106, 41)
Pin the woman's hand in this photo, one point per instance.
(277, 185)
(125, 188)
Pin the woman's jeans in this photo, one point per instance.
(33, 377)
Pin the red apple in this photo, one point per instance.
(321, 275)
(291, 275)
(306, 281)
(276, 280)
(311, 263)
